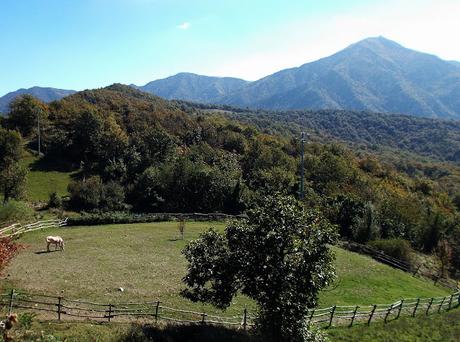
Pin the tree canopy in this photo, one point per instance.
(279, 257)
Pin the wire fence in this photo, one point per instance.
(18, 228)
(60, 308)
(416, 270)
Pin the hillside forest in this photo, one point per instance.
(133, 152)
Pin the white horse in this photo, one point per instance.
(56, 241)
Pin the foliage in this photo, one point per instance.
(366, 228)
(26, 319)
(262, 258)
(397, 248)
(15, 211)
(92, 194)
(12, 174)
(54, 201)
(24, 112)
(8, 250)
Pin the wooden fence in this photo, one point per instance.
(17, 228)
(60, 308)
(416, 270)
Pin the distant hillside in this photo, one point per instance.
(44, 94)
(192, 87)
(433, 138)
(375, 74)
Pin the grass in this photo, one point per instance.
(120, 332)
(43, 179)
(434, 328)
(362, 280)
(146, 260)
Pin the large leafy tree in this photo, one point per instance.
(12, 174)
(279, 257)
(24, 112)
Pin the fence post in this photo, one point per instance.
(332, 315)
(109, 316)
(157, 308)
(10, 307)
(440, 305)
(372, 314)
(416, 307)
(429, 306)
(354, 315)
(400, 308)
(59, 308)
(311, 316)
(388, 312)
(203, 318)
(245, 318)
(450, 301)
(417, 269)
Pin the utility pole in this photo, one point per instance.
(302, 141)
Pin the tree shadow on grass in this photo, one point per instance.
(46, 252)
(48, 164)
(187, 333)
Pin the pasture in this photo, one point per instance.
(44, 179)
(146, 260)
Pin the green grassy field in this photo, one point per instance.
(443, 327)
(43, 180)
(146, 260)
(434, 328)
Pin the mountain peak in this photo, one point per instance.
(377, 44)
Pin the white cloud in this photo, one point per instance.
(184, 25)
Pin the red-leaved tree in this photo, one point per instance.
(8, 250)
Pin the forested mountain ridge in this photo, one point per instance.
(192, 87)
(436, 139)
(43, 93)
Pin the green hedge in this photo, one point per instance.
(126, 217)
(397, 248)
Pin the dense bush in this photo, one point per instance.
(15, 211)
(8, 250)
(92, 194)
(397, 248)
(54, 201)
(92, 219)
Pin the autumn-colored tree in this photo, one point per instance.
(8, 250)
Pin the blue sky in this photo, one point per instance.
(78, 44)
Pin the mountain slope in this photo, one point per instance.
(374, 74)
(192, 87)
(44, 94)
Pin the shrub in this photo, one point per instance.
(54, 201)
(14, 211)
(26, 319)
(86, 195)
(8, 250)
(91, 194)
(397, 248)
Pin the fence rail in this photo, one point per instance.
(60, 308)
(17, 228)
